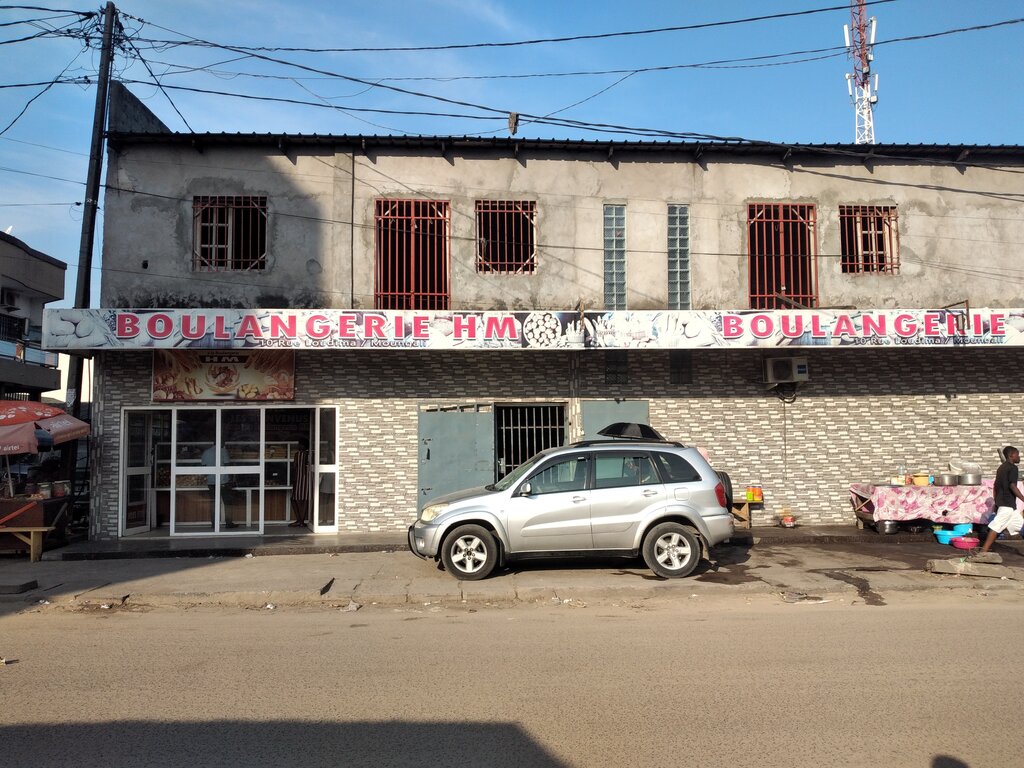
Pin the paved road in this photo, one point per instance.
(704, 681)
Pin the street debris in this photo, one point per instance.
(270, 606)
(966, 566)
(105, 606)
(3, 661)
(572, 602)
(800, 597)
(249, 556)
(42, 602)
(352, 606)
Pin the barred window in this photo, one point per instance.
(505, 236)
(615, 257)
(680, 366)
(869, 238)
(678, 257)
(616, 367)
(229, 233)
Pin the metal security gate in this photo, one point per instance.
(412, 258)
(456, 450)
(523, 430)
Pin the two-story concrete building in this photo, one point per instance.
(29, 279)
(427, 312)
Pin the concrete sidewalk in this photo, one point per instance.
(849, 569)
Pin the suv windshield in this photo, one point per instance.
(516, 474)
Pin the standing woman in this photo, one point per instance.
(300, 484)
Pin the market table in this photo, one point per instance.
(940, 504)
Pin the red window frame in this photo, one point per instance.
(505, 236)
(869, 239)
(412, 259)
(782, 255)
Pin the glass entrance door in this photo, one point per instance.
(325, 463)
(138, 508)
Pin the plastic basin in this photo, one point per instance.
(965, 542)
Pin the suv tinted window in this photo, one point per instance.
(617, 471)
(676, 469)
(565, 475)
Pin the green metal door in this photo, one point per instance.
(598, 414)
(456, 451)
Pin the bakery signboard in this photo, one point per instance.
(213, 329)
(241, 374)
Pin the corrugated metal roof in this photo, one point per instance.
(859, 152)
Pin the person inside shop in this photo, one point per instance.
(1006, 492)
(300, 484)
(227, 492)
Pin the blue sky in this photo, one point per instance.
(964, 88)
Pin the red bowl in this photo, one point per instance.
(965, 542)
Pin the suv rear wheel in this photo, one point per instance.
(671, 550)
(469, 552)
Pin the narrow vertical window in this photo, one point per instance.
(869, 238)
(678, 257)
(615, 257)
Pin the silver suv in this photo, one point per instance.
(596, 498)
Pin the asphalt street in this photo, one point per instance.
(713, 681)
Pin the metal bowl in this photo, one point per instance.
(946, 478)
(971, 478)
(887, 527)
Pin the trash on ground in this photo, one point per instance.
(105, 606)
(270, 606)
(800, 597)
(43, 602)
(249, 555)
(352, 606)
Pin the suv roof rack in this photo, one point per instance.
(626, 441)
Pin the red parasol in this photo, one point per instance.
(19, 420)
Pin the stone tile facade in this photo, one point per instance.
(863, 412)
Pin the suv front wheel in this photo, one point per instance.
(671, 550)
(469, 552)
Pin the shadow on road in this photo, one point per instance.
(280, 743)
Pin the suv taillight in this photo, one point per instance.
(720, 493)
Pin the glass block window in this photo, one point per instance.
(679, 257)
(615, 257)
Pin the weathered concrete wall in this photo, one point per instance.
(147, 235)
(863, 413)
(960, 227)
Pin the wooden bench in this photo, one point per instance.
(30, 534)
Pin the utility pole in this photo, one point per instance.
(859, 43)
(83, 288)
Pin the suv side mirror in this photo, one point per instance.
(525, 490)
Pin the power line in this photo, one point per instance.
(45, 89)
(537, 41)
(158, 83)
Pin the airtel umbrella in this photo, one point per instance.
(19, 420)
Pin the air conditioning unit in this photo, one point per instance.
(9, 298)
(785, 370)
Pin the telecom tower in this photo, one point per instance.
(859, 43)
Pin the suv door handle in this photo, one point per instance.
(578, 499)
(650, 493)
